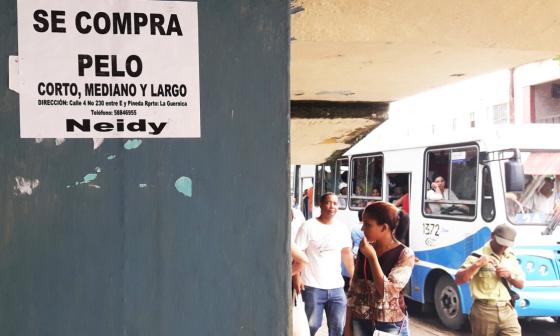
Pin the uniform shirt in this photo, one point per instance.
(485, 284)
(323, 244)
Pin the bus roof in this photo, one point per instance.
(386, 137)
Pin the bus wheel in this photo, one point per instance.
(448, 303)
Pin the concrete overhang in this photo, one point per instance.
(381, 51)
(322, 131)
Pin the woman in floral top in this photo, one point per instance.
(383, 268)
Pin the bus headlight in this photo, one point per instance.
(530, 266)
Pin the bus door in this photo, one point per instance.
(398, 188)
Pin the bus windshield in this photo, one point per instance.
(539, 203)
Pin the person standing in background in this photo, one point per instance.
(325, 241)
(491, 270)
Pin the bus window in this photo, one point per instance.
(366, 180)
(488, 209)
(328, 178)
(318, 183)
(341, 182)
(324, 180)
(539, 203)
(451, 175)
(397, 189)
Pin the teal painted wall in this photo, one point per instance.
(175, 236)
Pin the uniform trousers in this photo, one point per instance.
(490, 318)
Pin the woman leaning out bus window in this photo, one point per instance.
(383, 268)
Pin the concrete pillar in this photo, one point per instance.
(174, 237)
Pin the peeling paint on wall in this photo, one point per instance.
(25, 186)
(132, 144)
(59, 142)
(111, 157)
(142, 185)
(89, 177)
(97, 143)
(184, 185)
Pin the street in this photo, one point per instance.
(428, 324)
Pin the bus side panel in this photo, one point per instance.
(418, 281)
(421, 273)
(452, 256)
(466, 298)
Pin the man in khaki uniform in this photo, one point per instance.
(490, 269)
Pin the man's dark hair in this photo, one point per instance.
(324, 197)
(383, 213)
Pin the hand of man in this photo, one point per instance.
(485, 260)
(297, 283)
(503, 272)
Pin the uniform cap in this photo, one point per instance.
(505, 234)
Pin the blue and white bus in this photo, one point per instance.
(481, 168)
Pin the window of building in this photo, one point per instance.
(500, 113)
(451, 180)
(366, 186)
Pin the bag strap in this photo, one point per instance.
(474, 254)
(506, 283)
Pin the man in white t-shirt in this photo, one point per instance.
(325, 241)
(543, 200)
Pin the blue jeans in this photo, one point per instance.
(367, 327)
(333, 301)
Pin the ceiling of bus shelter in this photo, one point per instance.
(384, 50)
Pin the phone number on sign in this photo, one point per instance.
(124, 112)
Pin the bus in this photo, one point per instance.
(508, 173)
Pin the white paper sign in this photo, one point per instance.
(457, 156)
(108, 69)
